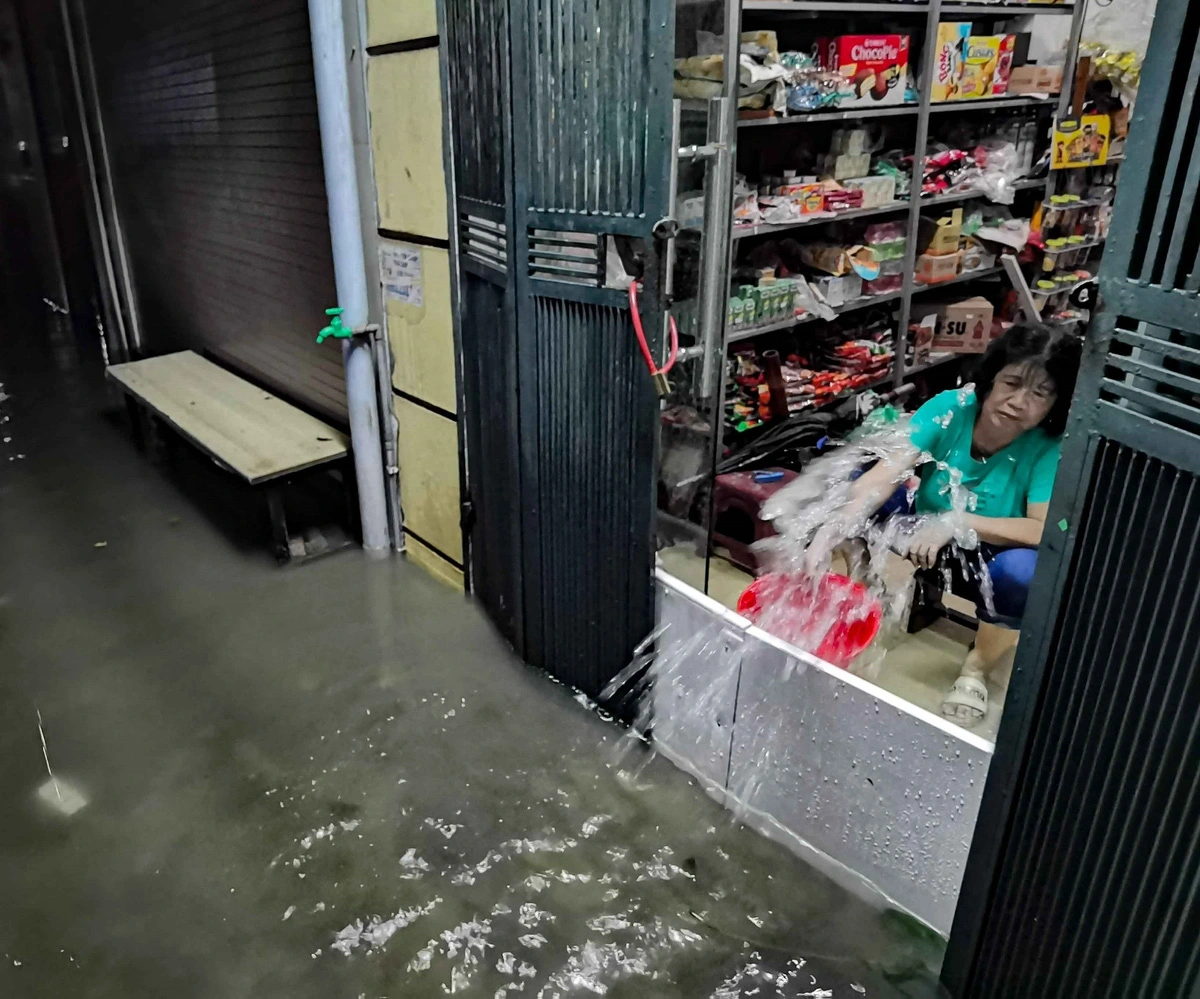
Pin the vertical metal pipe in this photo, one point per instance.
(345, 228)
(720, 251)
(132, 316)
(716, 260)
(920, 144)
(1070, 67)
(117, 341)
(1070, 63)
(714, 252)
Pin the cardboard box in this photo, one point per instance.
(1004, 65)
(1081, 142)
(981, 63)
(837, 260)
(854, 141)
(877, 190)
(948, 62)
(841, 166)
(1032, 79)
(934, 268)
(964, 326)
(875, 65)
(810, 198)
(920, 340)
(1120, 123)
(939, 236)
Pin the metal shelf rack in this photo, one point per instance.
(865, 302)
(765, 228)
(816, 7)
(819, 117)
(770, 228)
(991, 104)
(932, 12)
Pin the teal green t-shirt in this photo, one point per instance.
(1000, 486)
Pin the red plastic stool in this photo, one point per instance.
(738, 497)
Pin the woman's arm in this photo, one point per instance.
(1012, 532)
(867, 494)
(872, 489)
(1015, 532)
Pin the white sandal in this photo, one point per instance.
(967, 702)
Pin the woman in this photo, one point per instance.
(1003, 440)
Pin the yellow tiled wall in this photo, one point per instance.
(423, 336)
(400, 20)
(406, 137)
(404, 90)
(429, 476)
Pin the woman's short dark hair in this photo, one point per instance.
(1055, 352)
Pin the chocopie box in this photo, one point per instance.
(875, 65)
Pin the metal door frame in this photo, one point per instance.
(1092, 419)
(536, 305)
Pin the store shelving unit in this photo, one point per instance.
(930, 13)
(864, 302)
(822, 218)
(815, 7)
(821, 117)
(990, 104)
(953, 197)
(935, 361)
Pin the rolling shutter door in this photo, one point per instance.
(211, 117)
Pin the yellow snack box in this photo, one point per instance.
(948, 63)
(979, 65)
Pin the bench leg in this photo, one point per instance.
(350, 490)
(135, 422)
(280, 540)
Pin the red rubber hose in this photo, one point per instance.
(641, 335)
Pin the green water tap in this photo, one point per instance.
(336, 327)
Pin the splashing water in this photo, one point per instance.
(816, 517)
(801, 600)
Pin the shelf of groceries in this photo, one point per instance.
(879, 229)
(739, 330)
(1010, 9)
(808, 217)
(820, 116)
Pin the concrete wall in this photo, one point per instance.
(404, 91)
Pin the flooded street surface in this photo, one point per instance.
(334, 780)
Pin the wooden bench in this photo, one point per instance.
(243, 428)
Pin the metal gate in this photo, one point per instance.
(561, 131)
(1084, 876)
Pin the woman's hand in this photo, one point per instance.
(929, 539)
(820, 549)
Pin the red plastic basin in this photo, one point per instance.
(795, 607)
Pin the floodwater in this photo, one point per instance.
(335, 780)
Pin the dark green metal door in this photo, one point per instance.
(1084, 876)
(561, 131)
